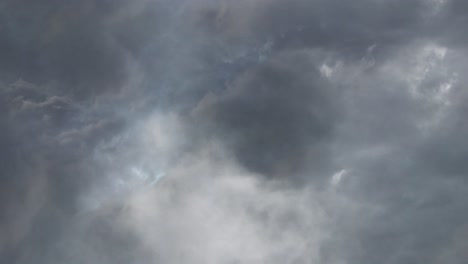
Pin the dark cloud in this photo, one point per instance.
(278, 117)
(67, 42)
(277, 131)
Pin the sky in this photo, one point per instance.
(233, 131)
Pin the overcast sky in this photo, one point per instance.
(233, 131)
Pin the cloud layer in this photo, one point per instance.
(217, 131)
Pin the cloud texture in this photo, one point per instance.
(221, 131)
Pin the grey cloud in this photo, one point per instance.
(284, 131)
(278, 117)
(41, 178)
(68, 42)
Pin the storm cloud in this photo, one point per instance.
(221, 131)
